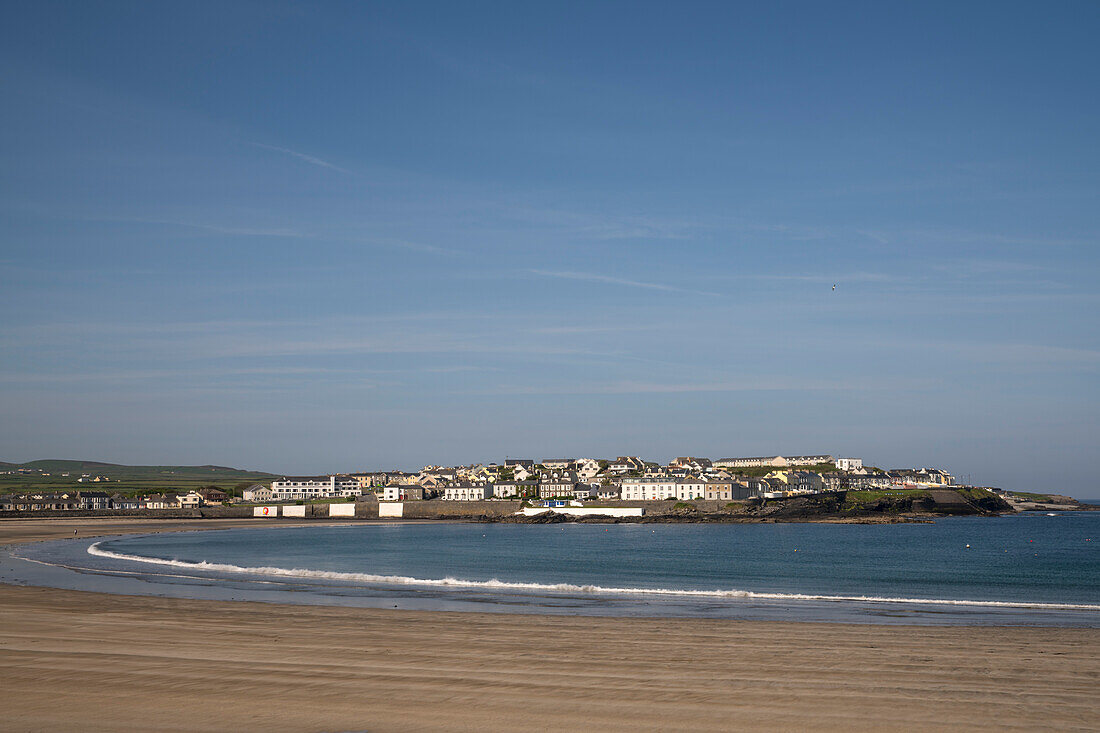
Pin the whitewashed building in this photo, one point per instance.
(849, 464)
(657, 488)
(295, 489)
(190, 500)
(402, 492)
(776, 461)
(587, 468)
(690, 487)
(648, 488)
(468, 492)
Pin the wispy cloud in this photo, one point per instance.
(130, 375)
(851, 277)
(578, 330)
(634, 387)
(233, 230)
(419, 247)
(603, 226)
(593, 277)
(302, 156)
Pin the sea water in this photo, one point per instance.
(1029, 568)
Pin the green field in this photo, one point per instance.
(1031, 497)
(855, 499)
(126, 479)
(974, 494)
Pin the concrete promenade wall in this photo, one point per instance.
(439, 509)
(364, 509)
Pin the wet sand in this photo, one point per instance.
(90, 661)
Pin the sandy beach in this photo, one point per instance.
(89, 661)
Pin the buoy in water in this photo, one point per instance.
(968, 547)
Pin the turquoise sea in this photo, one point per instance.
(1025, 569)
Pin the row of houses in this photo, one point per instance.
(680, 486)
(778, 461)
(100, 500)
(628, 478)
(587, 469)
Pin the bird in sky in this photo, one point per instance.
(834, 286)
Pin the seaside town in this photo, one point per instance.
(545, 482)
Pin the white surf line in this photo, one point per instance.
(139, 573)
(94, 549)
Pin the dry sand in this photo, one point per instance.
(89, 661)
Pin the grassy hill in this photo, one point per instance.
(47, 475)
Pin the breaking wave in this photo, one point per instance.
(302, 573)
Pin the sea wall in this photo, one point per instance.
(364, 509)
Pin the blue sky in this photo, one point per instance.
(338, 236)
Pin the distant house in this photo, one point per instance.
(512, 489)
(516, 462)
(585, 491)
(775, 487)
(690, 487)
(587, 469)
(656, 488)
(160, 501)
(125, 502)
(558, 464)
(691, 463)
(849, 464)
(719, 490)
(190, 500)
(212, 495)
(648, 488)
(257, 493)
(436, 475)
(468, 492)
(757, 486)
(559, 486)
(400, 492)
(94, 500)
(486, 473)
(805, 482)
(367, 481)
(626, 464)
(608, 492)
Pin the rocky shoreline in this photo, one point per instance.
(834, 507)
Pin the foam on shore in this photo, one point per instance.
(303, 573)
